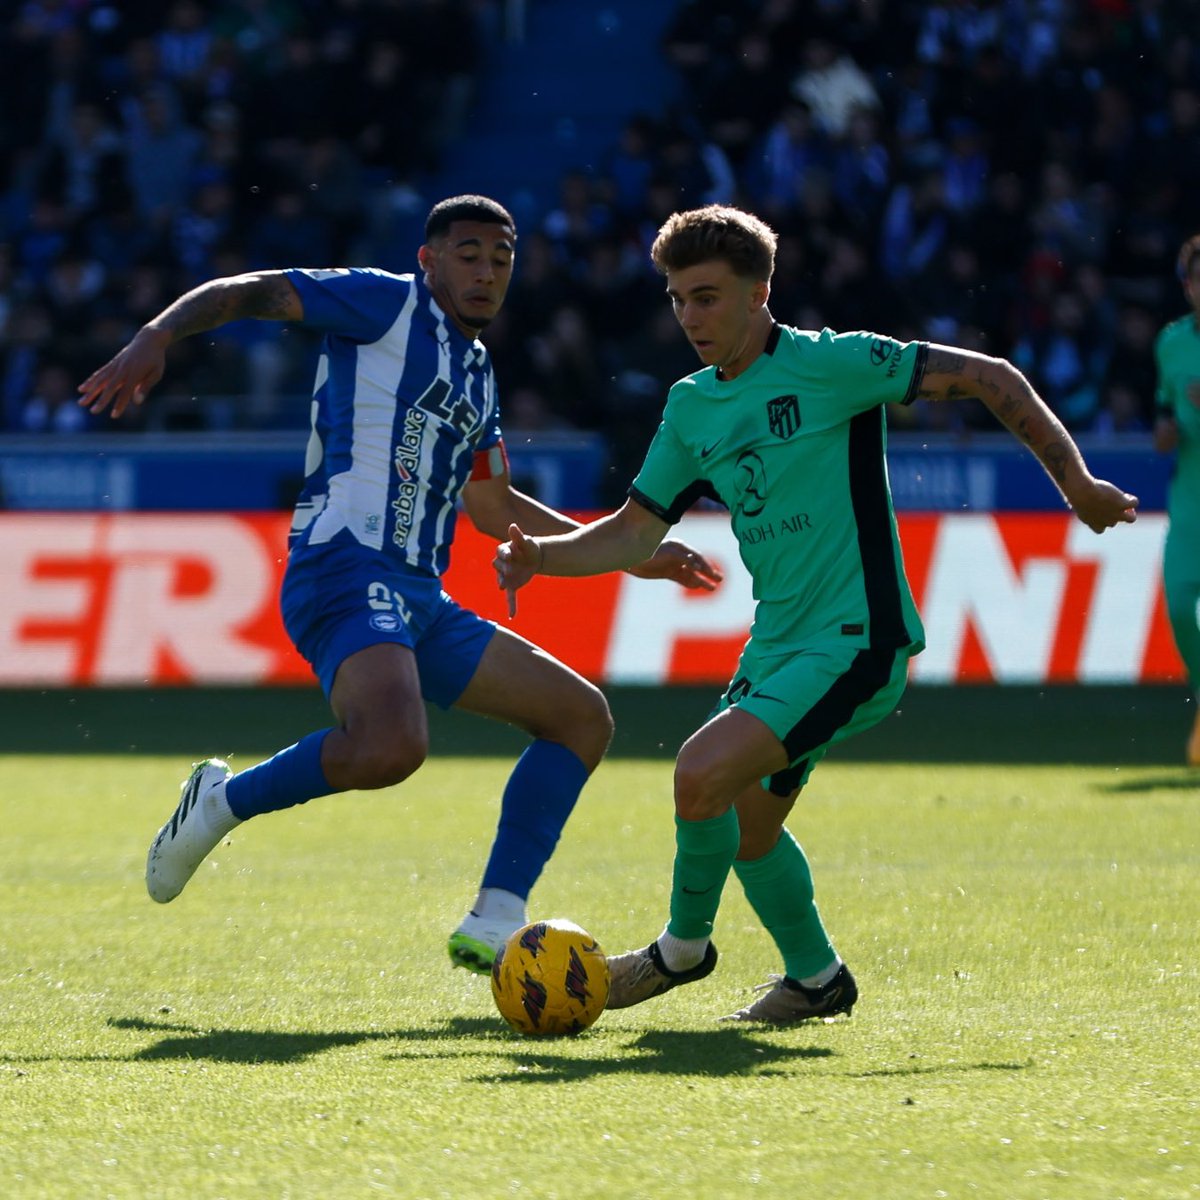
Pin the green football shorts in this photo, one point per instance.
(816, 697)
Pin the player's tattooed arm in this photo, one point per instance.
(953, 374)
(130, 374)
(261, 295)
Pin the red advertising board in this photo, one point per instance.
(126, 599)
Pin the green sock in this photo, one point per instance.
(704, 852)
(779, 887)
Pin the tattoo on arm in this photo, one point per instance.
(1025, 415)
(1056, 459)
(957, 375)
(266, 297)
(952, 375)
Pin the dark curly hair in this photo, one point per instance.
(466, 208)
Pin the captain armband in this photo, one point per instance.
(490, 463)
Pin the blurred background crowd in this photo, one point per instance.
(1013, 176)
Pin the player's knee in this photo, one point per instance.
(698, 794)
(585, 724)
(384, 765)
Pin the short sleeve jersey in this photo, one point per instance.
(402, 402)
(795, 448)
(1177, 360)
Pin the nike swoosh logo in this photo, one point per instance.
(707, 450)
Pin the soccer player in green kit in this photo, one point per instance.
(1177, 428)
(787, 428)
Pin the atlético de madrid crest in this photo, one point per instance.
(783, 415)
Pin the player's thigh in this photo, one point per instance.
(519, 683)
(721, 760)
(816, 698)
(379, 688)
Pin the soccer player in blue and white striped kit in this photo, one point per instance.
(405, 422)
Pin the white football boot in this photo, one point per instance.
(200, 821)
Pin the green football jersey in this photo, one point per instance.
(794, 447)
(1177, 358)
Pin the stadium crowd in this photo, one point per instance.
(1012, 176)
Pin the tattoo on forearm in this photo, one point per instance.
(1056, 459)
(1037, 427)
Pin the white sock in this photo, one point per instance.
(821, 978)
(680, 954)
(217, 813)
(498, 905)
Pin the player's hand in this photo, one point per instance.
(516, 563)
(128, 376)
(678, 561)
(1100, 505)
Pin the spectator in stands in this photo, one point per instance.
(161, 149)
(23, 351)
(1087, 123)
(1127, 394)
(52, 408)
(916, 223)
(793, 150)
(862, 171)
(85, 160)
(631, 164)
(1067, 361)
(833, 85)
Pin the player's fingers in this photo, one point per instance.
(512, 602)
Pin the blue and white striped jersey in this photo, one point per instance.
(402, 403)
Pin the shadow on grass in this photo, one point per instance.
(725, 1052)
(940, 1069)
(188, 1042)
(1184, 781)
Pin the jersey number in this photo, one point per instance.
(381, 598)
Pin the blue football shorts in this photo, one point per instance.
(815, 697)
(337, 600)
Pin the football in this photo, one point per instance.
(550, 978)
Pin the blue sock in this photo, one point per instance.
(539, 797)
(293, 776)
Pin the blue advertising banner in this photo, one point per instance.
(262, 472)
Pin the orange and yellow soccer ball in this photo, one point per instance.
(550, 978)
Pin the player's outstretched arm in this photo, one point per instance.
(495, 506)
(613, 543)
(954, 374)
(130, 374)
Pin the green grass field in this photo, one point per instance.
(1025, 938)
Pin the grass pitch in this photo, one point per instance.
(1025, 938)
